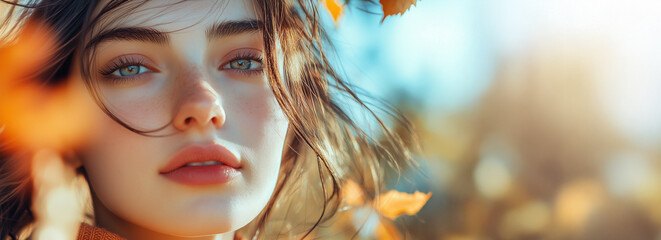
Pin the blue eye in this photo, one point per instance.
(130, 71)
(243, 64)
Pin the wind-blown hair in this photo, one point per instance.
(325, 143)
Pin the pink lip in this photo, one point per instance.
(202, 175)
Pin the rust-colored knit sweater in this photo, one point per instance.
(88, 232)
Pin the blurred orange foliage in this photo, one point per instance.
(353, 194)
(34, 114)
(390, 7)
(335, 8)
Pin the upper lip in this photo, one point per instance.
(201, 153)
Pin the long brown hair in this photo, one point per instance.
(326, 143)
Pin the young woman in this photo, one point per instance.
(211, 116)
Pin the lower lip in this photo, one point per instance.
(203, 175)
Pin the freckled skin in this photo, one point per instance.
(130, 197)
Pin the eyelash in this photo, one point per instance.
(245, 55)
(120, 63)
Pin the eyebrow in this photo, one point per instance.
(218, 30)
(130, 33)
(229, 28)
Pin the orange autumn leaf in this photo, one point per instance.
(394, 203)
(335, 8)
(395, 7)
(389, 206)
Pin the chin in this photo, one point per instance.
(209, 222)
(199, 228)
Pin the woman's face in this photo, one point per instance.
(196, 65)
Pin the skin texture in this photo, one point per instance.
(184, 84)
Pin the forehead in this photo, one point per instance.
(172, 15)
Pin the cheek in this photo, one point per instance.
(144, 107)
(254, 119)
(111, 149)
(256, 122)
(115, 156)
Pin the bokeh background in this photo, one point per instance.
(537, 119)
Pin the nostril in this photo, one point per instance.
(188, 120)
(217, 121)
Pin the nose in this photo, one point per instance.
(199, 107)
